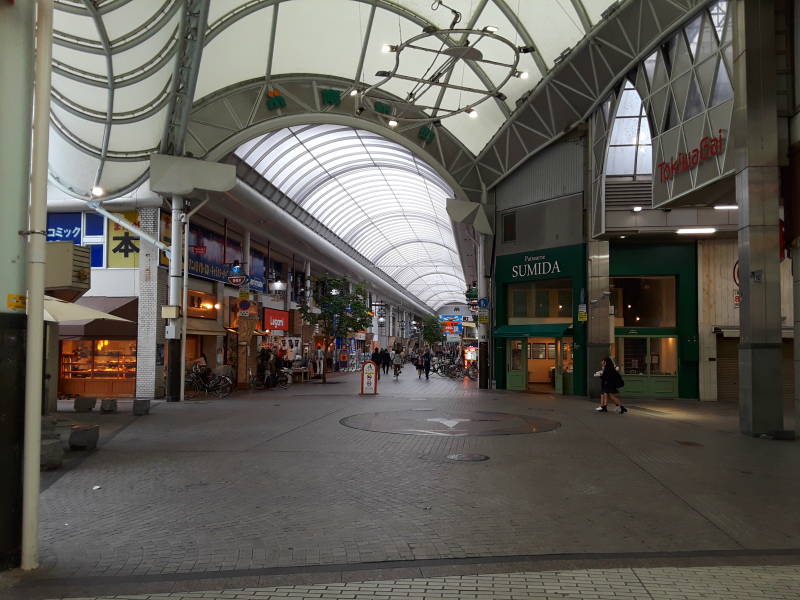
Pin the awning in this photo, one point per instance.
(59, 311)
(525, 331)
(126, 307)
(204, 327)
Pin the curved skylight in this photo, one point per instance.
(341, 38)
(375, 195)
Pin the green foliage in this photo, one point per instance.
(344, 307)
(431, 330)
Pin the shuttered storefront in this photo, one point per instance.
(728, 370)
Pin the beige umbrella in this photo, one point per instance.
(60, 311)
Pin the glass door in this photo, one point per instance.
(558, 382)
(517, 364)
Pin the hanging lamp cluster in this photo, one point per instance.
(441, 91)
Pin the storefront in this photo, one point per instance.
(98, 358)
(654, 304)
(539, 314)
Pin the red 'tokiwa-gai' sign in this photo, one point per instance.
(708, 148)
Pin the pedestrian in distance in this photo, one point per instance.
(386, 360)
(376, 358)
(426, 362)
(397, 361)
(610, 382)
(419, 362)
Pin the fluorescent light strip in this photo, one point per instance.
(696, 231)
(726, 207)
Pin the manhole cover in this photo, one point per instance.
(468, 457)
(450, 423)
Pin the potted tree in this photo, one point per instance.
(340, 309)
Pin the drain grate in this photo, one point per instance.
(468, 457)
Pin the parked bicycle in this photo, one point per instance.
(199, 380)
(283, 379)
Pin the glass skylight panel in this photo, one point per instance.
(372, 193)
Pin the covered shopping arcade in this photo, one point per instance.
(572, 160)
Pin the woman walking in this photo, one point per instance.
(610, 382)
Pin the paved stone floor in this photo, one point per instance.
(268, 489)
(722, 583)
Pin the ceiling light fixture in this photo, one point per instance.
(726, 207)
(473, 114)
(392, 123)
(637, 209)
(98, 191)
(696, 231)
(354, 92)
(421, 90)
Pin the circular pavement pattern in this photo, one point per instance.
(430, 421)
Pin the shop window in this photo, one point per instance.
(547, 301)
(97, 254)
(510, 227)
(98, 359)
(519, 302)
(202, 305)
(542, 351)
(95, 224)
(644, 301)
(650, 356)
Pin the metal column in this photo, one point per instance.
(173, 336)
(16, 98)
(483, 328)
(757, 193)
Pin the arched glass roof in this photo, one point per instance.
(115, 60)
(375, 195)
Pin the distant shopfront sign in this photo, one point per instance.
(276, 319)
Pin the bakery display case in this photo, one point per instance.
(98, 367)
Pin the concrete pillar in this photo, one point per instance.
(16, 98)
(600, 323)
(150, 380)
(757, 193)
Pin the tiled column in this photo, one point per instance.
(757, 192)
(152, 296)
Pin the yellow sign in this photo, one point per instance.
(122, 246)
(166, 237)
(16, 301)
(583, 317)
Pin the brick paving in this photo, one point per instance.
(268, 488)
(723, 583)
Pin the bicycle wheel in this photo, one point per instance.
(222, 387)
(283, 381)
(473, 373)
(192, 388)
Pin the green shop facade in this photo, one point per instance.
(540, 320)
(540, 333)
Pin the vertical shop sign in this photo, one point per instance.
(64, 227)
(369, 379)
(122, 246)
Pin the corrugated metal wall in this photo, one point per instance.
(556, 171)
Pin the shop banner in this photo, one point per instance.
(451, 324)
(276, 319)
(122, 246)
(210, 259)
(64, 227)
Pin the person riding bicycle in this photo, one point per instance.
(397, 361)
